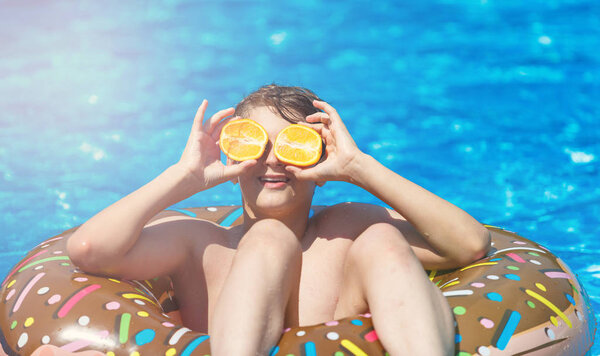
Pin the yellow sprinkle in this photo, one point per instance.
(11, 283)
(540, 286)
(148, 283)
(110, 353)
(549, 304)
(114, 280)
(28, 322)
(432, 274)
(135, 353)
(142, 313)
(170, 352)
(479, 264)
(553, 320)
(356, 351)
(137, 296)
(451, 284)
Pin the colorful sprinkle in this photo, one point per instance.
(457, 338)
(459, 310)
(332, 323)
(54, 299)
(570, 298)
(456, 293)
(310, 349)
(356, 322)
(301, 333)
(508, 330)
(274, 351)
(48, 259)
(83, 320)
(512, 277)
(487, 323)
(483, 351)
(22, 340)
(479, 265)
(540, 287)
(513, 268)
(493, 277)
(143, 314)
(26, 291)
(332, 335)
(70, 303)
(531, 304)
(477, 284)
(557, 275)
(356, 351)
(553, 320)
(167, 324)
(124, 328)
(10, 294)
(28, 322)
(515, 257)
(550, 334)
(171, 351)
(112, 305)
(493, 296)
(371, 336)
(45, 339)
(13, 325)
(80, 279)
(145, 336)
(535, 262)
(43, 290)
(177, 335)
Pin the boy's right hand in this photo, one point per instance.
(201, 157)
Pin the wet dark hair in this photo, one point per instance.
(292, 103)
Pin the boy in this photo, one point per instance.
(281, 268)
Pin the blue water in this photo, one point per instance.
(493, 105)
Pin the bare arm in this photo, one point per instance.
(449, 231)
(117, 241)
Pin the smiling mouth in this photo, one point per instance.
(274, 179)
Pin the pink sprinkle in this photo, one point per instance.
(54, 299)
(477, 285)
(515, 257)
(332, 323)
(112, 305)
(371, 336)
(79, 344)
(366, 315)
(10, 294)
(69, 304)
(57, 252)
(286, 330)
(80, 279)
(487, 323)
(168, 325)
(557, 275)
(26, 290)
(519, 243)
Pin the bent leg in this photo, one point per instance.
(249, 314)
(383, 275)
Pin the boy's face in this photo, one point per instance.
(267, 186)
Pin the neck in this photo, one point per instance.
(297, 221)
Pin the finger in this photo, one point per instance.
(238, 169)
(197, 125)
(216, 131)
(218, 116)
(333, 114)
(319, 117)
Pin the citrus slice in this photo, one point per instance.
(243, 139)
(298, 145)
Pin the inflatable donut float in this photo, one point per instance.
(519, 300)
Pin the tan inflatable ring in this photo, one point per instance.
(518, 300)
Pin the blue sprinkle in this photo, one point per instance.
(192, 345)
(514, 277)
(232, 217)
(145, 336)
(457, 338)
(571, 300)
(509, 330)
(310, 349)
(274, 350)
(357, 322)
(495, 259)
(494, 297)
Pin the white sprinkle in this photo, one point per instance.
(493, 277)
(550, 334)
(137, 301)
(483, 351)
(177, 335)
(301, 333)
(211, 209)
(45, 339)
(83, 320)
(22, 340)
(455, 293)
(332, 335)
(43, 290)
(535, 262)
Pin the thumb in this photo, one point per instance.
(300, 173)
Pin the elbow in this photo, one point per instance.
(477, 246)
(81, 253)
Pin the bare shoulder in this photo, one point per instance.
(352, 218)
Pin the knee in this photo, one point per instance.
(272, 238)
(380, 242)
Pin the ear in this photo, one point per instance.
(231, 162)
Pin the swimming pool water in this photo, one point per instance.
(490, 104)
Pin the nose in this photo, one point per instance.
(270, 158)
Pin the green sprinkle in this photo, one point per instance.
(462, 353)
(533, 253)
(459, 310)
(124, 328)
(57, 258)
(514, 268)
(13, 325)
(531, 305)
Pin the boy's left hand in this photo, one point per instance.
(342, 154)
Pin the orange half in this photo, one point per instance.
(298, 145)
(243, 139)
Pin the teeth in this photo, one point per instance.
(273, 179)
